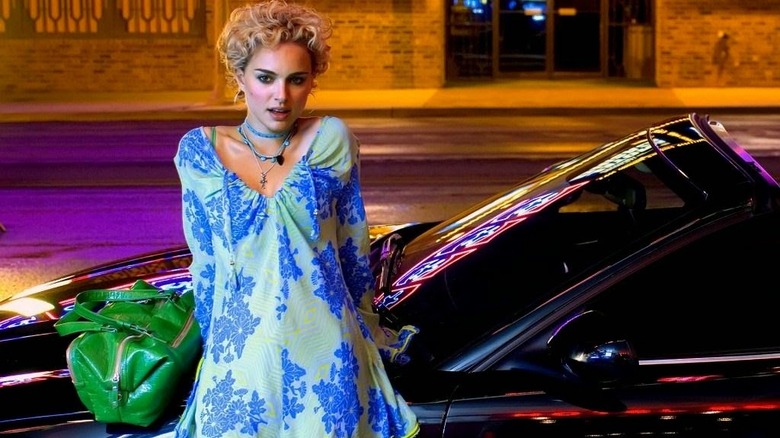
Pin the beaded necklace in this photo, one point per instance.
(261, 134)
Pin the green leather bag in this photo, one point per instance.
(132, 354)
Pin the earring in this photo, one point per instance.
(237, 96)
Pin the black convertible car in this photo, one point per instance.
(624, 292)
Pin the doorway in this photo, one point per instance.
(548, 38)
(576, 26)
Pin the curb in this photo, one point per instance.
(230, 114)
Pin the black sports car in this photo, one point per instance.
(624, 292)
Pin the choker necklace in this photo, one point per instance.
(275, 159)
(262, 134)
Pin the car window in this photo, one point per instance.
(524, 266)
(713, 297)
(519, 250)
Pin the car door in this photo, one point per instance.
(702, 321)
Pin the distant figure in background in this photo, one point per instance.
(720, 53)
(275, 220)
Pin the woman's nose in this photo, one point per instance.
(281, 94)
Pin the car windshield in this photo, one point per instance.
(479, 271)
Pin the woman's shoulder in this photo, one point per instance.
(328, 126)
(330, 132)
(198, 132)
(334, 126)
(196, 150)
(333, 147)
(195, 138)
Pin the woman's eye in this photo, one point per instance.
(265, 79)
(297, 80)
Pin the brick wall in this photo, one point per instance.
(45, 64)
(385, 44)
(40, 66)
(376, 44)
(390, 44)
(689, 51)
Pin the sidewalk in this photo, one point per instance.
(492, 98)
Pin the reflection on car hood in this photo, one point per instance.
(463, 235)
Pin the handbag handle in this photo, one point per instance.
(87, 300)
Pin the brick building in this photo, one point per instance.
(61, 45)
(691, 36)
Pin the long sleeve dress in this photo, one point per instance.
(278, 281)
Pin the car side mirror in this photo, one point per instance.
(593, 349)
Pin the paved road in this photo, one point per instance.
(52, 231)
(64, 213)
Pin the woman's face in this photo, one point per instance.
(277, 83)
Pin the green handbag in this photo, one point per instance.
(132, 354)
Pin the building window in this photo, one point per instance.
(101, 18)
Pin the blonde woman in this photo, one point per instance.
(274, 217)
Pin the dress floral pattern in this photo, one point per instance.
(278, 283)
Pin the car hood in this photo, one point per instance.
(445, 276)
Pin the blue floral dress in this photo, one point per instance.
(278, 283)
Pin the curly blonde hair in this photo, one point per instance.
(267, 24)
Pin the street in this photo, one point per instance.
(71, 200)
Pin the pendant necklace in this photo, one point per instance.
(275, 159)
